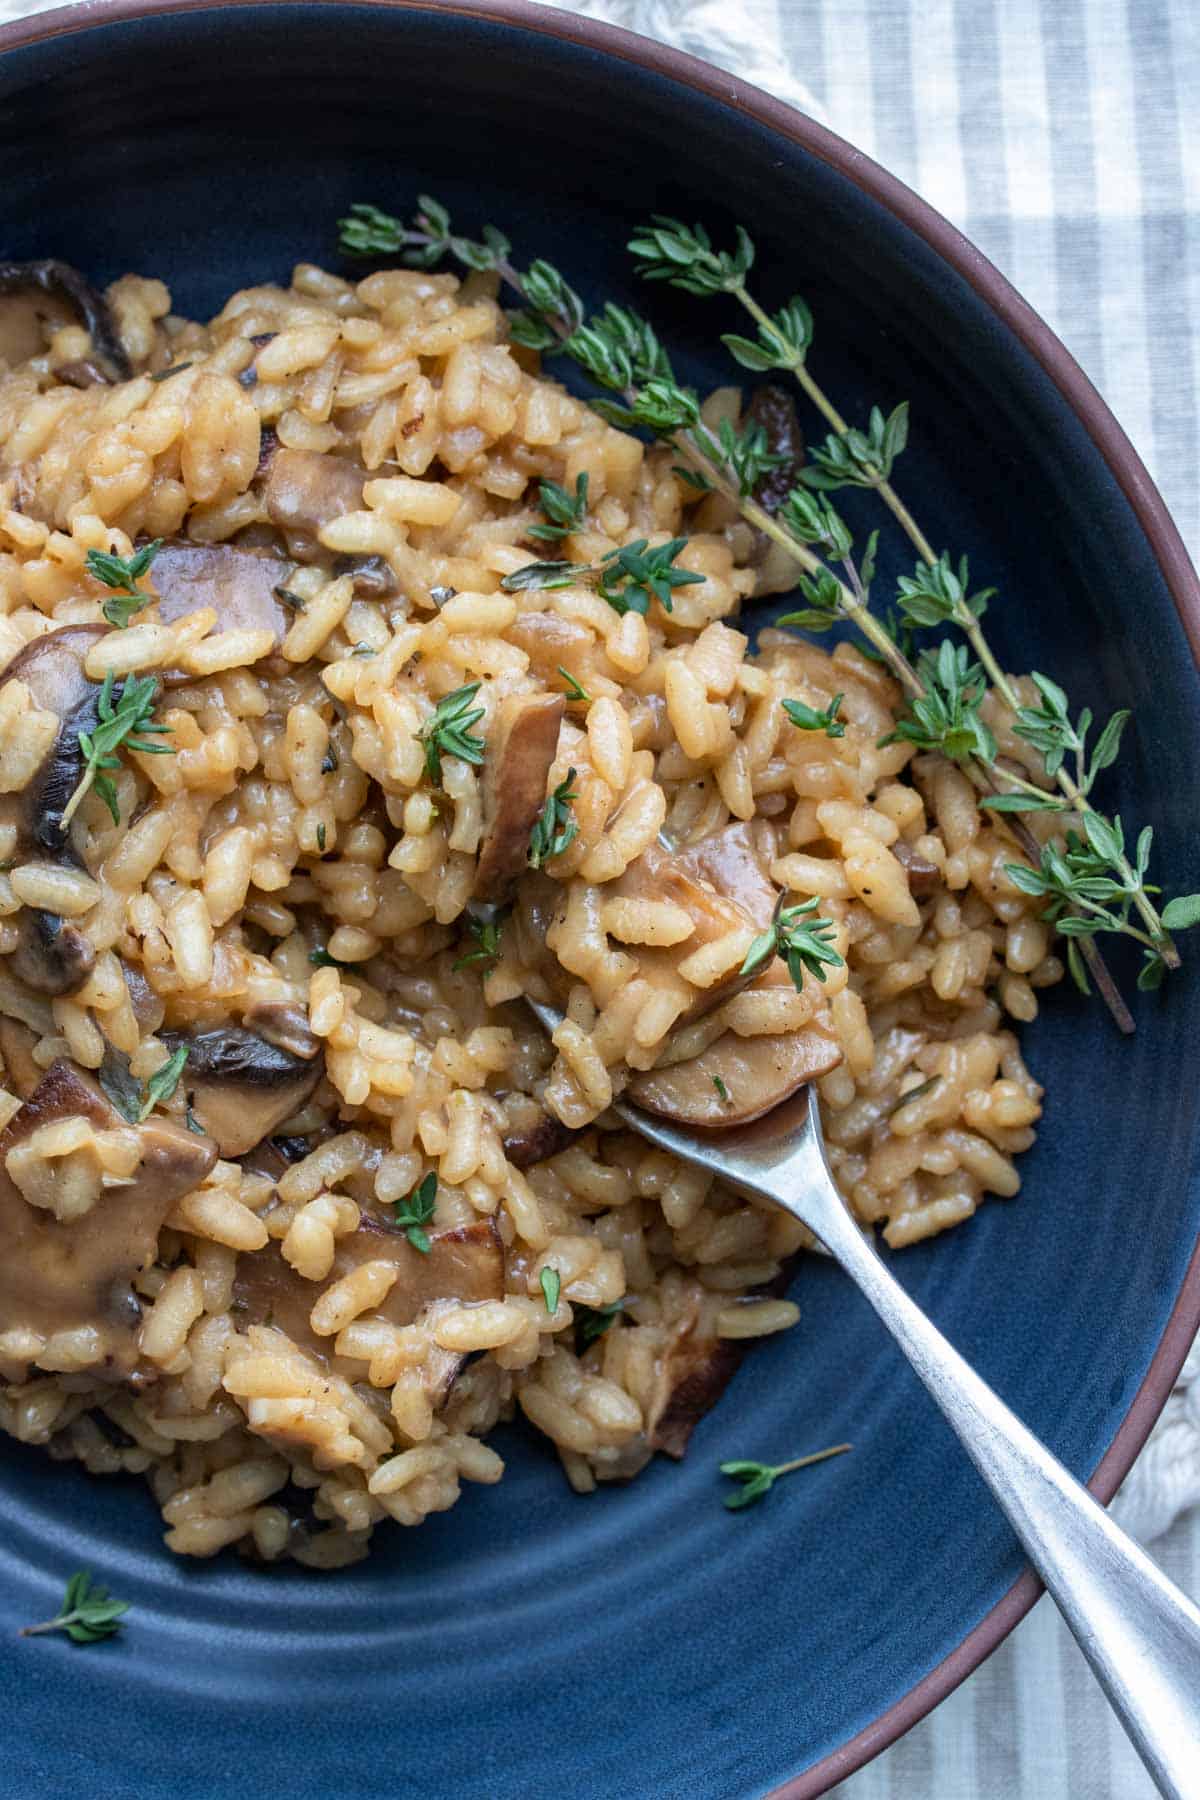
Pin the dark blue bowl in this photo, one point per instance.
(646, 1642)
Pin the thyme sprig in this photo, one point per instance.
(123, 725)
(938, 594)
(565, 512)
(621, 352)
(448, 732)
(758, 1478)
(88, 1613)
(801, 937)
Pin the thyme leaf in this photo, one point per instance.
(564, 512)
(123, 725)
(554, 829)
(88, 1614)
(591, 1322)
(802, 940)
(448, 732)
(487, 933)
(809, 719)
(122, 574)
(550, 1282)
(414, 1213)
(757, 1478)
(162, 1084)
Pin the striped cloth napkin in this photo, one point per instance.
(1063, 137)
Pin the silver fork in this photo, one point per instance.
(1138, 1631)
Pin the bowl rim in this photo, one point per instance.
(1123, 462)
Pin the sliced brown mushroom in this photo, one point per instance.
(531, 1135)
(52, 956)
(695, 1371)
(721, 884)
(464, 1266)
(924, 877)
(736, 1079)
(522, 741)
(306, 490)
(720, 881)
(147, 1006)
(83, 372)
(78, 1275)
(238, 582)
(284, 1025)
(240, 1086)
(774, 409)
(373, 576)
(550, 643)
(51, 667)
(60, 282)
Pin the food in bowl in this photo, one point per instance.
(359, 681)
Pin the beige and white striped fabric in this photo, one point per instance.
(1063, 136)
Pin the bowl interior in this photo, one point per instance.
(644, 1640)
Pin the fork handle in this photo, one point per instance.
(1138, 1631)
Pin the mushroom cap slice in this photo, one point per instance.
(51, 667)
(240, 1086)
(304, 491)
(57, 1276)
(756, 1074)
(236, 581)
(61, 283)
(735, 1079)
(465, 1264)
(52, 956)
(522, 741)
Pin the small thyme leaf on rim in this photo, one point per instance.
(88, 1614)
(757, 1478)
(414, 1213)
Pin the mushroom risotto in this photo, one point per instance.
(310, 769)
